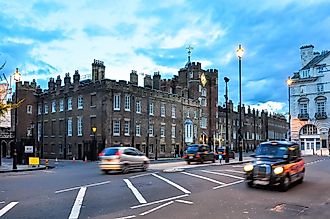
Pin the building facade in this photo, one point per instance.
(257, 127)
(309, 91)
(160, 118)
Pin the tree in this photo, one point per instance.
(4, 90)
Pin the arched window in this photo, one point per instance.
(308, 130)
(320, 103)
(303, 108)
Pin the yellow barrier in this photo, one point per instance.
(34, 161)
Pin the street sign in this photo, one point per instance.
(28, 149)
(34, 161)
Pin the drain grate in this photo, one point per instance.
(289, 208)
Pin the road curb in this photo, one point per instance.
(24, 170)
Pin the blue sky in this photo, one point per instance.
(49, 38)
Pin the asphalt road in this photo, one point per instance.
(80, 190)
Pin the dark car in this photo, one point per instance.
(276, 163)
(199, 153)
(222, 151)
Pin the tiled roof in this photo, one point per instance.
(316, 60)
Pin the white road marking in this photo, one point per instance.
(137, 194)
(154, 209)
(237, 166)
(205, 178)
(172, 183)
(5, 209)
(229, 184)
(184, 201)
(235, 171)
(222, 174)
(145, 174)
(159, 201)
(78, 187)
(77, 204)
(127, 217)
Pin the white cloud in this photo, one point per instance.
(270, 106)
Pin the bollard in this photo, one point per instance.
(220, 158)
(46, 163)
(85, 159)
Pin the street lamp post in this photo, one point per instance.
(17, 78)
(239, 53)
(289, 82)
(227, 134)
(93, 157)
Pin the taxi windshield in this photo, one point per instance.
(271, 151)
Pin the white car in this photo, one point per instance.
(122, 159)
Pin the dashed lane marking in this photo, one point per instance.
(77, 204)
(136, 192)
(205, 178)
(172, 183)
(156, 208)
(78, 187)
(5, 209)
(222, 174)
(159, 201)
(228, 184)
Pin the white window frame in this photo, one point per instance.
(127, 102)
(53, 106)
(127, 127)
(61, 105)
(162, 131)
(151, 108)
(204, 122)
(162, 110)
(320, 87)
(173, 112)
(79, 126)
(116, 102)
(29, 109)
(173, 130)
(138, 130)
(80, 102)
(151, 130)
(138, 106)
(69, 126)
(46, 108)
(39, 109)
(116, 128)
(69, 103)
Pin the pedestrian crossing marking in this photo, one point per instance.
(172, 183)
(205, 178)
(136, 192)
(5, 209)
(222, 174)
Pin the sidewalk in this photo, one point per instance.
(7, 166)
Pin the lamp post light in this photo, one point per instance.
(289, 82)
(17, 78)
(93, 157)
(227, 134)
(240, 53)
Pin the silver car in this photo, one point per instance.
(122, 159)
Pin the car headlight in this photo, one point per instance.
(278, 170)
(248, 167)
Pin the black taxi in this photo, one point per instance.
(276, 163)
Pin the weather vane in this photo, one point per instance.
(189, 49)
